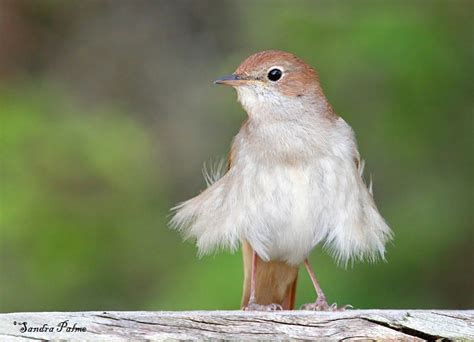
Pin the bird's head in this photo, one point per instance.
(277, 83)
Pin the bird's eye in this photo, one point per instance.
(274, 75)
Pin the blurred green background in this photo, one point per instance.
(108, 111)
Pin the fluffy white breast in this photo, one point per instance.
(293, 184)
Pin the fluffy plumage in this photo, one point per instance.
(294, 179)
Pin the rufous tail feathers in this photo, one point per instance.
(276, 281)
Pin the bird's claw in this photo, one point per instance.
(260, 307)
(322, 305)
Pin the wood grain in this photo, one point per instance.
(231, 325)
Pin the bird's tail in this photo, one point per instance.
(276, 281)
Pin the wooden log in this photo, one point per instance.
(231, 325)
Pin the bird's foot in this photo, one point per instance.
(321, 304)
(260, 307)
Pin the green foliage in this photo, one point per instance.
(82, 196)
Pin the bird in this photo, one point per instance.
(294, 181)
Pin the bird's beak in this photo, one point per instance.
(230, 80)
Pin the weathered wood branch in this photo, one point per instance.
(231, 325)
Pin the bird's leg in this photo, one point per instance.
(253, 279)
(252, 303)
(320, 297)
(321, 303)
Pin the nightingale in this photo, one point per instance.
(293, 182)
